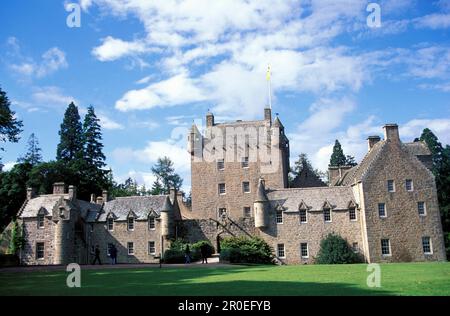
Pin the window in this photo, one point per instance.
(245, 162)
(108, 249)
(352, 214)
(426, 244)
(421, 208)
(222, 189)
(151, 223)
(409, 185)
(391, 186)
(280, 250)
(279, 217)
(246, 187)
(385, 247)
(327, 215)
(303, 218)
(223, 212)
(130, 247)
(220, 164)
(247, 211)
(40, 250)
(110, 224)
(304, 250)
(355, 247)
(382, 209)
(130, 223)
(151, 248)
(41, 221)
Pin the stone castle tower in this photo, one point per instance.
(228, 160)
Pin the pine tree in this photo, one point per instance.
(337, 158)
(70, 146)
(350, 161)
(10, 126)
(435, 147)
(93, 148)
(166, 176)
(33, 155)
(157, 188)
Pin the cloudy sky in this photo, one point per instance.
(151, 68)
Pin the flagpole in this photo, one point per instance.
(270, 86)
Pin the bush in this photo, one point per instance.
(246, 250)
(173, 256)
(177, 250)
(196, 247)
(335, 250)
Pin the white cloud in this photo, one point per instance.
(113, 49)
(433, 21)
(108, 123)
(412, 129)
(51, 97)
(9, 165)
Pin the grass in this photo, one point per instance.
(396, 279)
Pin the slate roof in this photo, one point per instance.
(418, 148)
(314, 198)
(141, 206)
(88, 210)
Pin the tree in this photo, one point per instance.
(166, 176)
(435, 147)
(350, 161)
(33, 155)
(10, 126)
(70, 146)
(93, 147)
(334, 250)
(337, 158)
(128, 188)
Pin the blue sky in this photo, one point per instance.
(152, 67)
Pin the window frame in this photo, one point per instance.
(151, 219)
(109, 221)
(149, 247)
(128, 223)
(278, 215)
(249, 215)
(430, 245)
(384, 210)
(245, 162)
(350, 211)
(424, 208)
(393, 186)
(384, 247)
(38, 257)
(283, 249)
(306, 216)
(132, 248)
(248, 186)
(301, 250)
(327, 210)
(220, 162)
(41, 220)
(224, 188)
(411, 185)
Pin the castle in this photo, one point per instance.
(386, 207)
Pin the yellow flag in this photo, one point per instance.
(269, 73)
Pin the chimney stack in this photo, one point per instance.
(209, 119)
(105, 196)
(31, 193)
(268, 114)
(92, 198)
(372, 140)
(391, 132)
(72, 192)
(59, 188)
(99, 200)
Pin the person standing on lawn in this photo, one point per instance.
(113, 254)
(204, 252)
(97, 256)
(187, 254)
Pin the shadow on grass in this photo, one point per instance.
(204, 281)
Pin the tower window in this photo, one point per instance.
(385, 247)
(421, 208)
(391, 186)
(409, 185)
(245, 162)
(247, 211)
(382, 210)
(246, 187)
(426, 244)
(222, 188)
(220, 164)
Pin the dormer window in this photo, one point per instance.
(130, 223)
(61, 211)
(110, 223)
(151, 223)
(327, 215)
(41, 221)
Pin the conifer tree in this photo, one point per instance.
(93, 147)
(70, 146)
(337, 158)
(10, 126)
(166, 178)
(33, 155)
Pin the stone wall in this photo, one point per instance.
(33, 235)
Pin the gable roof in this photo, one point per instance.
(141, 206)
(419, 148)
(338, 198)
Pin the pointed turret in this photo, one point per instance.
(166, 217)
(277, 123)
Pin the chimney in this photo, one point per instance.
(172, 194)
(72, 192)
(372, 140)
(209, 119)
(59, 188)
(31, 193)
(105, 196)
(268, 114)
(391, 132)
(99, 200)
(92, 198)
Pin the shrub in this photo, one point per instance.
(176, 252)
(174, 256)
(246, 250)
(335, 250)
(197, 246)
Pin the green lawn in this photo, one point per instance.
(396, 279)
